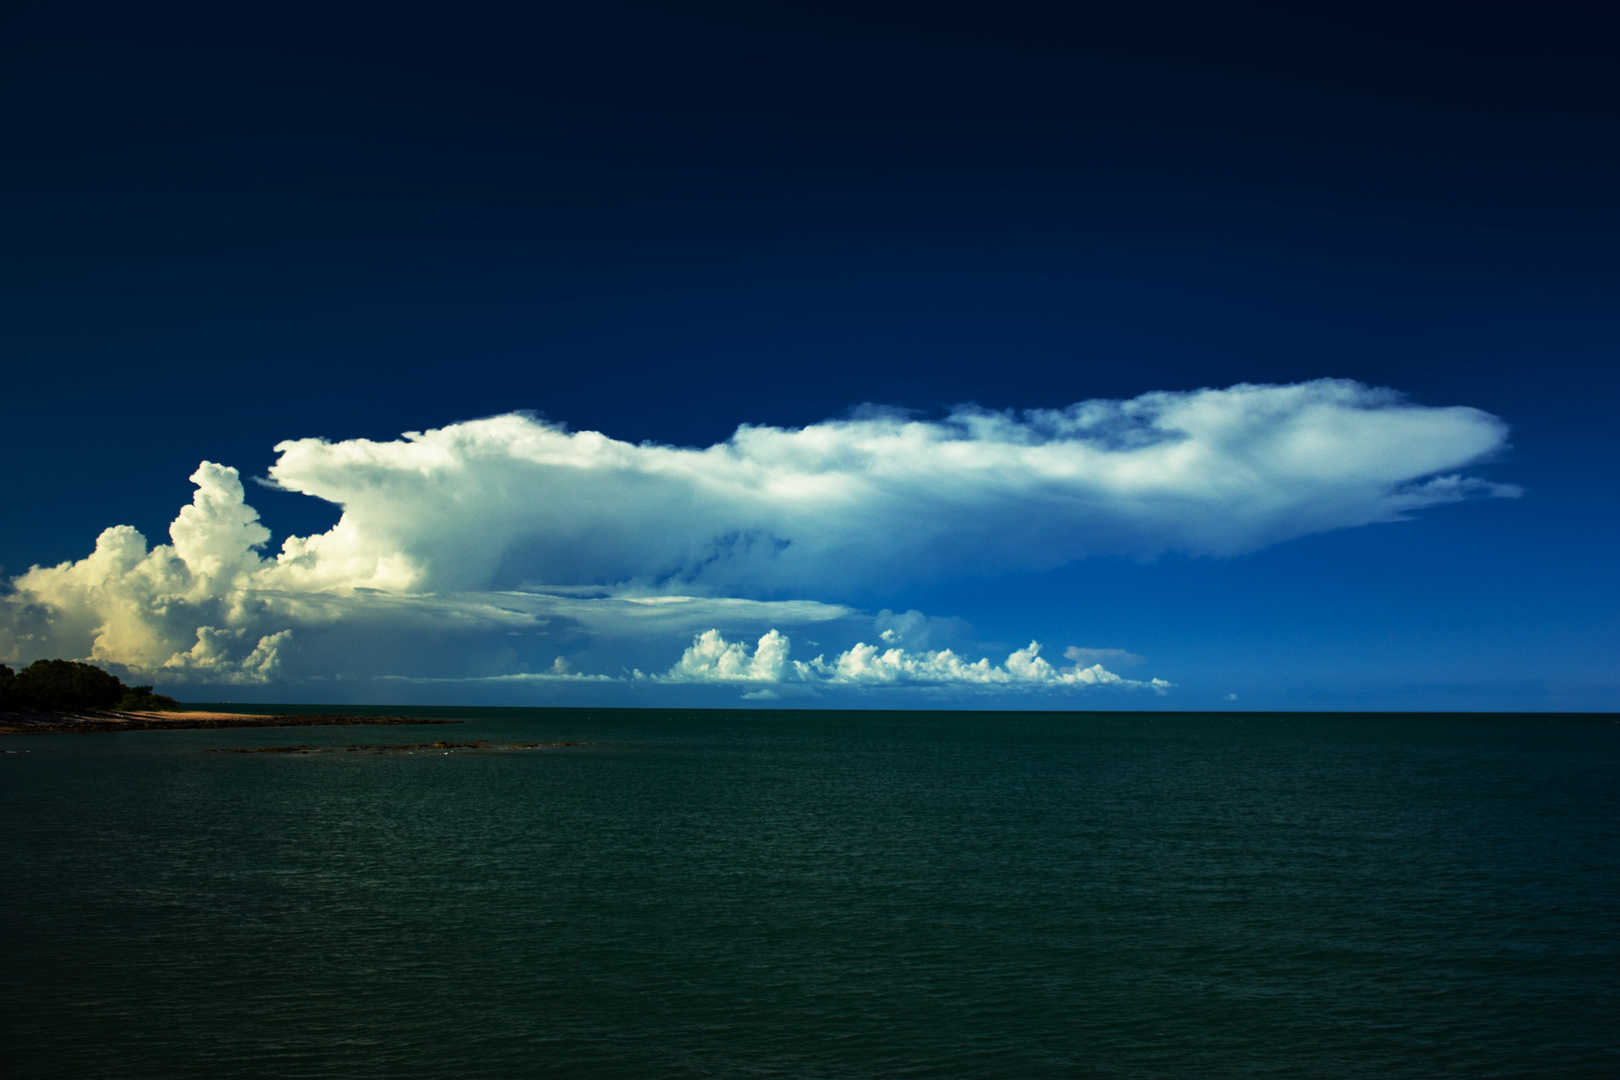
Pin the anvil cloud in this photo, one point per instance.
(852, 502)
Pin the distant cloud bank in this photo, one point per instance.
(456, 542)
(713, 659)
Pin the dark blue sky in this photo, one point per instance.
(227, 228)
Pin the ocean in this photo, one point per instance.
(818, 894)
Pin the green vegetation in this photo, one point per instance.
(69, 686)
(141, 699)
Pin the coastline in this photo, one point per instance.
(97, 721)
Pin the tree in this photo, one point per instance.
(69, 685)
(141, 699)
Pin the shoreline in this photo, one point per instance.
(98, 721)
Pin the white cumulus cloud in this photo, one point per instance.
(712, 658)
(181, 610)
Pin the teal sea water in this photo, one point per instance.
(811, 894)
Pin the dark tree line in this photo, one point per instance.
(69, 686)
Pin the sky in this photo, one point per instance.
(1048, 356)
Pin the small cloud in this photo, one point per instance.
(914, 630)
(1116, 657)
(1231, 697)
(909, 629)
